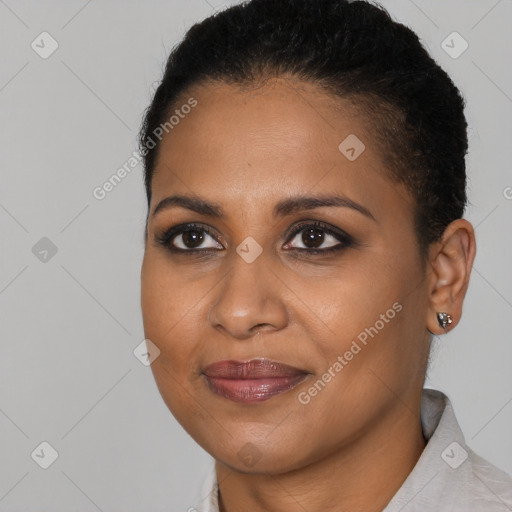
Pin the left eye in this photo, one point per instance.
(192, 238)
(313, 236)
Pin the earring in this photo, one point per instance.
(444, 319)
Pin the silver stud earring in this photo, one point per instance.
(444, 319)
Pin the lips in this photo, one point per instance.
(252, 381)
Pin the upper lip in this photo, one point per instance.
(253, 369)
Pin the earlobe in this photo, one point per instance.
(451, 261)
(444, 319)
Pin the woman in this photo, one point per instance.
(305, 178)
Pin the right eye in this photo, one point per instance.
(188, 238)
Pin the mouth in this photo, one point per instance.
(252, 381)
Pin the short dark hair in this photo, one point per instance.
(353, 50)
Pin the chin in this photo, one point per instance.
(251, 460)
(259, 456)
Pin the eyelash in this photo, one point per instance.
(345, 239)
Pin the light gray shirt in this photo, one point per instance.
(448, 476)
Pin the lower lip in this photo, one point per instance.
(253, 390)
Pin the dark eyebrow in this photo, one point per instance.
(281, 209)
(298, 203)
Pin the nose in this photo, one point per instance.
(249, 300)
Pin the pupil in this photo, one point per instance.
(310, 235)
(194, 238)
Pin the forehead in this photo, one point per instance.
(288, 116)
(284, 136)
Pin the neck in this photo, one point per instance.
(362, 476)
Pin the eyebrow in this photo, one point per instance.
(282, 208)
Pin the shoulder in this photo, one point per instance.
(490, 488)
(449, 475)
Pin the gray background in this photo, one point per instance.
(69, 324)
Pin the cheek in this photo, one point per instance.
(353, 297)
(165, 302)
(366, 312)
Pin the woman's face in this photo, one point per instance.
(350, 322)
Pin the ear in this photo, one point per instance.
(451, 261)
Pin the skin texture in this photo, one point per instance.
(353, 444)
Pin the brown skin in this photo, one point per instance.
(352, 446)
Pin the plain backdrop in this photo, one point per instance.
(69, 263)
